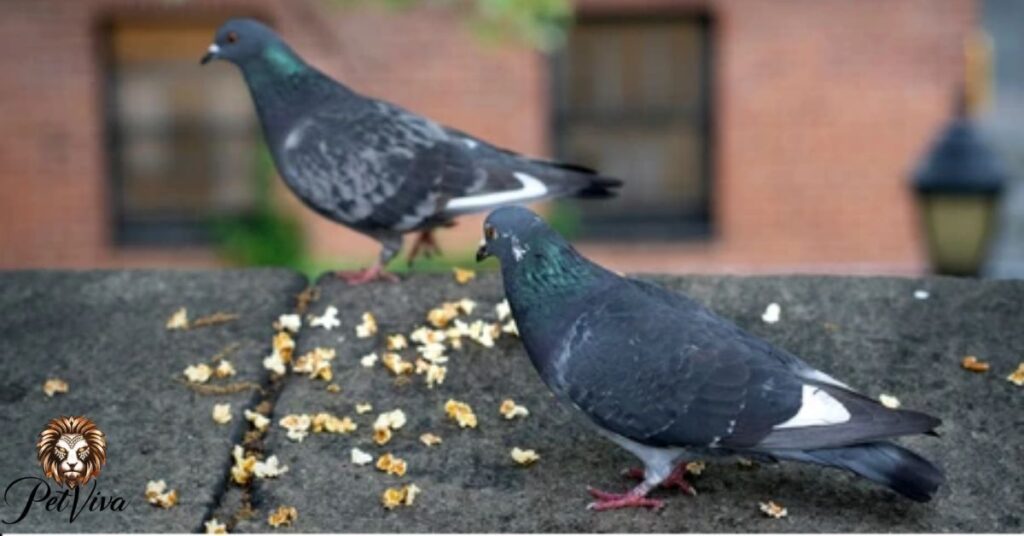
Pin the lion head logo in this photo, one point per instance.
(72, 450)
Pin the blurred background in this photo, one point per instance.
(754, 136)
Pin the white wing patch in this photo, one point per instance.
(532, 189)
(817, 408)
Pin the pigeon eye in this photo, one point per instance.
(490, 233)
(232, 37)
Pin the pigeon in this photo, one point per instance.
(373, 166)
(668, 380)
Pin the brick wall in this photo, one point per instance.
(821, 110)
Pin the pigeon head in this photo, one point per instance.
(244, 41)
(511, 232)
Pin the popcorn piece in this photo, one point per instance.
(329, 320)
(284, 346)
(53, 386)
(466, 305)
(772, 313)
(292, 323)
(258, 420)
(511, 410)
(889, 401)
(483, 333)
(397, 342)
(364, 408)
(396, 364)
(430, 440)
(461, 413)
(503, 310)
(439, 317)
(283, 516)
(395, 497)
(198, 373)
(381, 436)
(435, 375)
(316, 363)
(393, 419)
(973, 364)
(325, 422)
(333, 388)
(271, 468)
(368, 328)
(511, 328)
(462, 275)
(771, 509)
(224, 369)
(921, 294)
(215, 527)
(275, 364)
(242, 470)
(360, 457)
(297, 426)
(524, 456)
(433, 352)
(178, 320)
(1017, 376)
(368, 360)
(425, 335)
(411, 491)
(391, 465)
(222, 413)
(696, 468)
(157, 495)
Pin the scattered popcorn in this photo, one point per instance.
(397, 342)
(391, 465)
(368, 328)
(157, 495)
(1017, 376)
(973, 364)
(381, 436)
(511, 410)
(395, 497)
(325, 422)
(466, 305)
(394, 420)
(484, 333)
(921, 294)
(284, 346)
(215, 527)
(360, 457)
(435, 375)
(430, 440)
(462, 275)
(503, 310)
(439, 317)
(275, 364)
(316, 363)
(511, 328)
(329, 320)
(178, 320)
(524, 456)
(889, 401)
(258, 420)
(283, 516)
(297, 426)
(772, 313)
(368, 360)
(696, 468)
(222, 413)
(271, 468)
(771, 509)
(198, 373)
(53, 386)
(396, 364)
(364, 408)
(461, 413)
(333, 388)
(425, 335)
(224, 369)
(242, 470)
(434, 352)
(292, 323)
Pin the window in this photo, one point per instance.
(632, 100)
(182, 138)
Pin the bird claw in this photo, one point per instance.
(613, 501)
(424, 245)
(677, 479)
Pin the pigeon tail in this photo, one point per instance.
(594, 185)
(902, 470)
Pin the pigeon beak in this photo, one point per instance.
(211, 54)
(481, 252)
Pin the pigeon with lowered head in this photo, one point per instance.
(373, 166)
(668, 380)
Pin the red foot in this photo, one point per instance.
(424, 244)
(677, 479)
(373, 273)
(635, 498)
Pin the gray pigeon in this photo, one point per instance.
(668, 380)
(373, 166)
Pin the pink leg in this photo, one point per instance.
(677, 479)
(373, 273)
(634, 498)
(424, 244)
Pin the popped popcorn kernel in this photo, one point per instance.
(178, 320)
(224, 369)
(396, 364)
(397, 342)
(297, 426)
(292, 323)
(439, 317)
(258, 420)
(284, 346)
(772, 313)
(393, 420)
(461, 413)
(198, 373)
(271, 468)
(329, 320)
(54, 386)
(222, 413)
(275, 364)
(368, 328)
(524, 456)
(316, 363)
(696, 468)
(430, 439)
(771, 509)
(462, 275)
(364, 408)
(1017, 377)
(368, 360)
(466, 305)
(157, 494)
(215, 527)
(889, 401)
(435, 375)
(381, 436)
(395, 497)
(511, 328)
(510, 410)
(391, 465)
(974, 364)
(360, 457)
(244, 466)
(503, 310)
(326, 422)
(333, 388)
(283, 516)
(425, 335)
